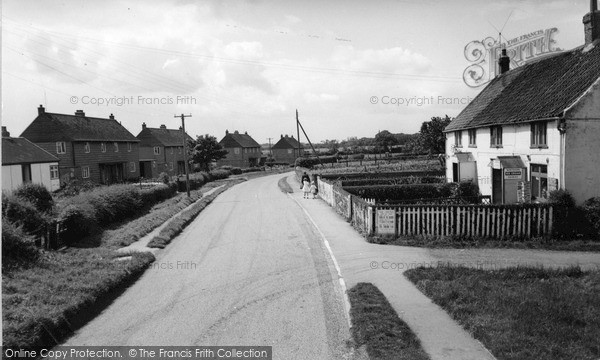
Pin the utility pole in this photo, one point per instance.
(270, 151)
(298, 133)
(185, 159)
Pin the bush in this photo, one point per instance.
(76, 221)
(310, 162)
(164, 178)
(466, 189)
(36, 194)
(591, 209)
(23, 213)
(75, 187)
(561, 198)
(253, 169)
(220, 174)
(18, 248)
(114, 202)
(404, 192)
(236, 171)
(157, 194)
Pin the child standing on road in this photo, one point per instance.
(306, 188)
(314, 190)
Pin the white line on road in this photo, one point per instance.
(335, 263)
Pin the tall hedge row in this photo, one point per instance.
(403, 192)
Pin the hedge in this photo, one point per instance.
(394, 181)
(403, 192)
(23, 213)
(18, 248)
(310, 162)
(591, 208)
(36, 194)
(383, 175)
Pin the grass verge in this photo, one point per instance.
(463, 243)
(43, 304)
(376, 325)
(176, 226)
(521, 313)
(284, 185)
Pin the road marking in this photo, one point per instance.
(335, 263)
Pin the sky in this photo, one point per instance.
(350, 68)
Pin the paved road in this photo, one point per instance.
(250, 270)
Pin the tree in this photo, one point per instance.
(385, 140)
(431, 138)
(205, 150)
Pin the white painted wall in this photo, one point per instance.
(516, 141)
(40, 174)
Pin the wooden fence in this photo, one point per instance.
(485, 221)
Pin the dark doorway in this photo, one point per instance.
(111, 173)
(26, 173)
(497, 186)
(146, 169)
(455, 176)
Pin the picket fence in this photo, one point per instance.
(486, 221)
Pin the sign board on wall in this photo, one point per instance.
(513, 174)
(386, 221)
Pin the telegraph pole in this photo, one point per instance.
(185, 159)
(270, 151)
(298, 133)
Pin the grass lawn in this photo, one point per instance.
(460, 243)
(376, 325)
(521, 313)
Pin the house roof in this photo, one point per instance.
(539, 90)
(235, 139)
(50, 127)
(161, 136)
(23, 151)
(286, 142)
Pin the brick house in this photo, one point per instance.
(286, 150)
(24, 161)
(243, 151)
(535, 128)
(88, 148)
(161, 150)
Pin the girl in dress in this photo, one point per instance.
(313, 190)
(306, 188)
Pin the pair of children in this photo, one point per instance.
(309, 188)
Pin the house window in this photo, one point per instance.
(53, 172)
(458, 138)
(473, 138)
(86, 148)
(116, 146)
(179, 147)
(61, 147)
(289, 151)
(538, 134)
(245, 151)
(171, 165)
(128, 147)
(539, 181)
(236, 151)
(172, 150)
(157, 150)
(496, 136)
(85, 171)
(103, 147)
(154, 164)
(26, 173)
(132, 166)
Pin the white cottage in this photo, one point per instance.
(535, 128)
(24, 161)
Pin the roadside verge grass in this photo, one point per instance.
(284, 186)
(521, 313)
(176, 226)
(376, 325)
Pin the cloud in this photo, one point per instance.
(387, 60)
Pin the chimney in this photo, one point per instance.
(591, 23)
(226, 132)
(236, 132)
(143, 125)
(112, 117)
(504, 62)
(245, 132)
(79, 113)
(5, 133)
(41, 110)
(163, 126)
(282, 136)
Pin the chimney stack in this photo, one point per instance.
(79, 113)
(5, 133)
(504, 62)
(112, 117)
(591, 23)
(41, 110)
(226, 132)
(163, 126)
(143, 125)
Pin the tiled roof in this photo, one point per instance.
(542, 89)
(286, 142)
(236, 139)
(165, 137)
(23, 151)
(49, 127)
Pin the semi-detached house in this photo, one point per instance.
(161, 150)
(88, 148)
(535, 128)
